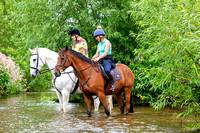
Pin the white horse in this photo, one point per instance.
(65, 84)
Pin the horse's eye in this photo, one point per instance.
(34, 59)
(62, 59)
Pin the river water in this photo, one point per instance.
(28, 113)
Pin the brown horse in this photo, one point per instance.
(92, 81)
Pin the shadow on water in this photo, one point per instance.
(28, 113)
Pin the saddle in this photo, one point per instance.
(116, 71)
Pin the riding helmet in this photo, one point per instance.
(74, 32)
(99, 32)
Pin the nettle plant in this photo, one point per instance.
(11, 78)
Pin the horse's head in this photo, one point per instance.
(63, 61)
(36, 62)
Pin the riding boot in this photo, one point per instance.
(112, 81)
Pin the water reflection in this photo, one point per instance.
(28, 113)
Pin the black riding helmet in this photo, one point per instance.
(74, 32)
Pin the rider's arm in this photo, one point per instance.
(106, 50)
(97, 54)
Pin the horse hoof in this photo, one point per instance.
(131, 111)
(89, 114)
(108, 114)
(122, 112)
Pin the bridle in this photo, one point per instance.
(48, 70)
(93, 65)
(63, 65)
(36, 68)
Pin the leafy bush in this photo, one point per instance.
(54, 19)
(4, 80)
(169, 43)
(10, 76)
(158, 40)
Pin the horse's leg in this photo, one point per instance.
(96, 103)
(60, 100)
(120, 101)
(103, 101)
(128, 98)
(109, 101)
(65, 94)
(88, 101)
(131, 104)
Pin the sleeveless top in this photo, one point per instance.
(101, 47)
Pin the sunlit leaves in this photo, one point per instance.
(169, 39)
(46, 23)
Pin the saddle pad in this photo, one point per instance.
(116, 71)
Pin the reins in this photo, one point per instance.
(36, 68)
(76, 83)
(48, 70)
(70, 75)
(93, 68)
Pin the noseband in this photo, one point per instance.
(36, 68)
(93, 64)
(63, 65)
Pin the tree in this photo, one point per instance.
(47, 23)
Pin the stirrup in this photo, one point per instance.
(112, 87)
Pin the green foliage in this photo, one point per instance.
(75, 98)
(4, 80)
(169, 39)
(45, 23)
(195, 127)
(10, 76)
(158, 40)
(49, 97)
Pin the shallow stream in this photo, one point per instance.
(28, 113)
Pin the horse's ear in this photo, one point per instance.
(32, 51)
(59, 48)
(66, 48)
(36, 49)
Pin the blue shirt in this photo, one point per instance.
(101, 47)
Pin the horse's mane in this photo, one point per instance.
(79, 55)
(42, 50)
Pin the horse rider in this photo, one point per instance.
(103, 55)
(80, 44)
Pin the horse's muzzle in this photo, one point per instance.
(34, 76)
(57, 73)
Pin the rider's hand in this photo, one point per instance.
(96, 59)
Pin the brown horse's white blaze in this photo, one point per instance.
(93, 80)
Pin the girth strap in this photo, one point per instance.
(76, 87)
(106, 84)
(54, 82)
